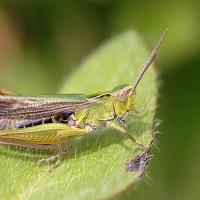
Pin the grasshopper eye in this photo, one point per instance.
(122, 96)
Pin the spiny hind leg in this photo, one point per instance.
(63, 151)
(52, 158)
(56, 159)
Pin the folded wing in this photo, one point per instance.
(16, 111)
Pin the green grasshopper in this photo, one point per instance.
(47, 122)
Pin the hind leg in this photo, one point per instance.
(56, 159)
(63, 152)
(63, 136)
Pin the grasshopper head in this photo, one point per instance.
(124, 101)
(124, 97)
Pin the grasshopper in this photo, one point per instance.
(47, 122)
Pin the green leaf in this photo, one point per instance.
(96, 170)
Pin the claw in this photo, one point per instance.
(53, 167)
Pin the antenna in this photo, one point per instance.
(149, 60)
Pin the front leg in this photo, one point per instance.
(124, 131)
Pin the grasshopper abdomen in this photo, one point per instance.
(12, 123)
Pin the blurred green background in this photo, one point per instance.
(41, 43)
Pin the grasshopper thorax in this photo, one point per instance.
(123, 101)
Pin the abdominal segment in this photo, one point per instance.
(12, 124)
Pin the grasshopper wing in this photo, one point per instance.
(25, 109)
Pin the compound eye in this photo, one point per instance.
(122, 97)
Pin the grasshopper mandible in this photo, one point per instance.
(46, 122)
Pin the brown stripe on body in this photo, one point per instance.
(11, 107)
